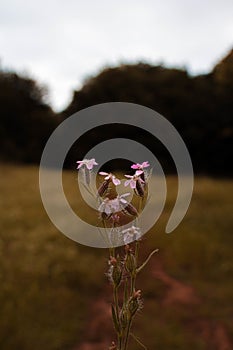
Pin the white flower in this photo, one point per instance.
(132, 233)
(111, 177)
(133, 179)
(89, 163)
(106, 207)
(110, 206)
(140, 166)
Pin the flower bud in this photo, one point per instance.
(116, 275)
(131, 210)
(130, 262)
(103, 188)
(115, 271)
(124, 317)
(113, 346)
(139, 188)
(135, 303)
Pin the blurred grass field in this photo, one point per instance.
(48, 281)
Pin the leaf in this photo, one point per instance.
(146, 261)
(138, 341)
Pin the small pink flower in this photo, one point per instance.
(111, 177)
(132, 233)
(140, 166)
(106, 207)
(110, 206)
(89, 163)
(133, 179)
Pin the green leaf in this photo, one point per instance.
(146, 261)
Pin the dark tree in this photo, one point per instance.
(201, 107)
(26, 121)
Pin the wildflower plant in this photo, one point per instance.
(114, 211)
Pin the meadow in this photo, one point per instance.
(49, 284)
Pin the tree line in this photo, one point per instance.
(200, 107)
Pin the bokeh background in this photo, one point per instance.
(59, 57)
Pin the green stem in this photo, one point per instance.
(120, 341)
(132, 284)
(112, 252)
(116, 304)
(137, 251)
(127, 334)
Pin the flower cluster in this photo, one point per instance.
(123, 269)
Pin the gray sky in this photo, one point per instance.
(61, 42)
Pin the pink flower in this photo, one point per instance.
(140, 166)
(131, 234)
(110, 206)
(111, 177)
(133, 179)
(106, 207)
(89, 163)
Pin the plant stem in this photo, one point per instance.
(127, 334)
(132, 284)
(116, 303)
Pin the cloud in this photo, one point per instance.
(61, 43)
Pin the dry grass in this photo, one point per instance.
(48, 281)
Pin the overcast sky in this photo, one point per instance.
(61, 42)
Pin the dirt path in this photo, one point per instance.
(177, 292)
(99, 323)
(213, 334)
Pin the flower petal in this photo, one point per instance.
(135, 166)
(122, 200)
(116, 181)
(145, 164)
(132, 183)
(89, 166)
(125, 194)
(138, 172)
(127, 182)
